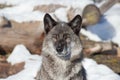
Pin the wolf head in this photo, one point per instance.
(62, 39)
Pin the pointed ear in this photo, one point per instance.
(75, 24)
(49, 23)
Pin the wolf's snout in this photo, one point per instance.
(60, 46)
(59, 49)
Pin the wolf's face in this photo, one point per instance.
(62, 39)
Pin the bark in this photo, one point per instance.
(26, 33)
(6, 69)
(10, 38)
(107, 5)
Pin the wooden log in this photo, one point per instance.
(107, 5)
(9, 39)
(91, 15)
(26, 33)
(6, 69)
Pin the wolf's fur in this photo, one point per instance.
(62, 51)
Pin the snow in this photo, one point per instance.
(103, 29)
(98, 71)
(61, 14)
(22, 10)
(90, 35)
(33, 64)
(73, 3)
(21, 52)
(21, 13)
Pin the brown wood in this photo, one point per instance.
(107, 5)
(10, 38)
(21, 33)
(6, 69)
(91, 15)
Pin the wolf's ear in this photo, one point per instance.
(49, 23)
(75, 24)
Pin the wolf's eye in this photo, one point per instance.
(67, 37)
(54, 37)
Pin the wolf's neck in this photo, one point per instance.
(55, 62)
(59, 68)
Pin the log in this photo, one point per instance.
(26, 33)
(107, 5)
(10, 38)
(91, 13)
(92, 47)
(6, 69)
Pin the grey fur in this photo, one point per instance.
(61, 57)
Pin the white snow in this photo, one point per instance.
(22, 10)
(76, 3)
(90, 35)
(61, 14)
(98, 71)
(33, 63)
(21, 52)
(21, 13)
(113, 17)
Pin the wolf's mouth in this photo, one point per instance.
(65, 56)
(64, 52)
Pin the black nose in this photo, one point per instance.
(59, 49)
(60, 46)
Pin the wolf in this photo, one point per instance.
(62, 50)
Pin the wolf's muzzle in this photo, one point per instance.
(63, 50)
(60, 45)
(59, 49)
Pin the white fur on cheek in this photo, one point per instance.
(49, 48)
(76, 49)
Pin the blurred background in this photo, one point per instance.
(21, 22)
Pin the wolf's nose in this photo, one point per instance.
(59, 49)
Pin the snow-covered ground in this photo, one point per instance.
(107, 29)
(33, 62)
(23, 9)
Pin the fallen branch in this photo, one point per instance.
(6, 69)
(107, 5)
(10, 38)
